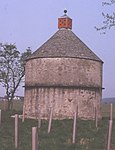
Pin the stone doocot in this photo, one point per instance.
(63, 83)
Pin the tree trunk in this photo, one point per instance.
(10, 105)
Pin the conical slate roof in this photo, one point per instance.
(64, 43)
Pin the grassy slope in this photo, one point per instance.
(60, 138)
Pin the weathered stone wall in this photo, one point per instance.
(62, 83)
(63, 72)
(63, 101)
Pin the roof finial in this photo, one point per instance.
(65, 21)
(65, 11)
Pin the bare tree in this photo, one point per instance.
(109, 19)
(12, 69)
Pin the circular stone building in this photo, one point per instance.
(62, 74)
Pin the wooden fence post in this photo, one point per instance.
(39, 117)
(39, 122)
(109, 135)
(0, 117)
(96, 117)
(111, 111)
(74, 124)
(23, 115)
(34, 138)
(50, 120)
(16, 130)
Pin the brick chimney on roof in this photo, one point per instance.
(65, 21)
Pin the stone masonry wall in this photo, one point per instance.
(63, 72)
(63, 101)
(62, 83)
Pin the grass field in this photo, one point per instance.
(105, 109)
(60, 138)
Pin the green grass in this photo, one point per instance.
(60, 138)
(105, 109)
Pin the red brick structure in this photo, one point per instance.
(65, 22)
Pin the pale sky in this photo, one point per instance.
(30, 23)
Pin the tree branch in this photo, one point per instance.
(109, 19)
